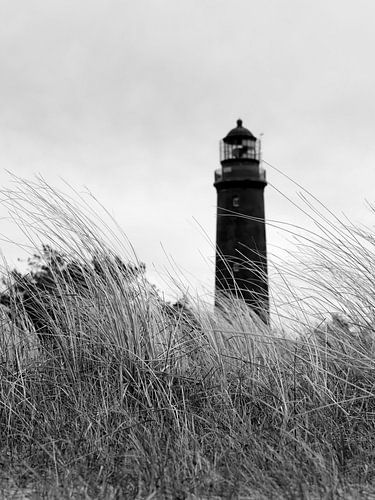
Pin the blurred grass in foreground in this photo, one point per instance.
(130, 397)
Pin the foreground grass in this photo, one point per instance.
(130, 398)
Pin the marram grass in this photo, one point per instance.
(126, 396)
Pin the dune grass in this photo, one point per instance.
(129, 397)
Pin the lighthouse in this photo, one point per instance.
(241, 253)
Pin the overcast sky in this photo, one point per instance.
(131, 98)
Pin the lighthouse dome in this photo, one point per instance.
(238, 133)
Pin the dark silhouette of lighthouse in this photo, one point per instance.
(241, 254)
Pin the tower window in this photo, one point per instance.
(236, 201)
(236, 267)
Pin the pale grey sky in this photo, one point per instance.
(131, 99)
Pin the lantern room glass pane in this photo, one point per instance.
(241, 149)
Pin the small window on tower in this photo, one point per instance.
(236, 267)
(236, 201)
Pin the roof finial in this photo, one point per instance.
(239, 123)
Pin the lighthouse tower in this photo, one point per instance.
(241, 254)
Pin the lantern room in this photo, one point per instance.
(239, 144)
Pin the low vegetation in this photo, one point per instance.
(108, 391)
